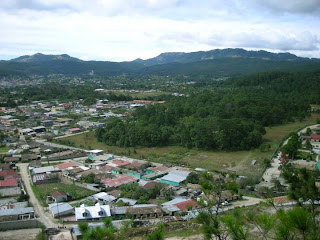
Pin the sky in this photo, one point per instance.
(123, 30)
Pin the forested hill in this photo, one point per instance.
(231, 117)
(215, 63)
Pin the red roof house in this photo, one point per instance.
(65, 165)
(11, 182)
(121, 180)
(185, 204)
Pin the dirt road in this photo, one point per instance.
(39, 211)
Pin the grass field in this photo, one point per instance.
(43, 190)
(4, 150)
(239, 162)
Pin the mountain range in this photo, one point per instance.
(214, 63)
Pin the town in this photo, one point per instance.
(46, 183)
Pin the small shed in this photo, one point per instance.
(59, 196)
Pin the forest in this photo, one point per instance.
(229, 117)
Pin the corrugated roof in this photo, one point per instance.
(11, 182)
(16, 211)
(115, 182)
(128, 200)
(65, 165)
(59, 208)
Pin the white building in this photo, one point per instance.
(96, 212)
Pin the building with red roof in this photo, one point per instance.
(121, 180)
(9, 174)
(186, 204)
(315, 137)
(65, 165)
(8, 183)
(119, 163)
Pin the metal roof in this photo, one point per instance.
(92, 212)
(103, 196)
(16, 211)
(45, 169)
(60, 208)
(128, 200)
(174, 201)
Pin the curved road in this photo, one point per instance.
(39, 211)
(273, 171)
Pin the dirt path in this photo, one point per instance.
(44, 218)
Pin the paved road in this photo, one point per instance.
(44, 218)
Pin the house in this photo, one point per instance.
(121, 180)
(16, 214)
(145, 211)
(178, 205)
(48, 169)
(9, 174)
(96, 152)
(118, 211)
(39, 129)
(66, 165)
(103, 197)
(11, 159)
(35, 164)
(115, 192)
(8, 183)
(60, 209)
(29, 157)
(96, 212)
(25, 131)
(74, 130)
(129, 201)
(11, 204)
(44, 178)
(59, 196)
(175, 177)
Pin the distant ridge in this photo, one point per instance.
(182, 57)
(215, 63)
(39, 57)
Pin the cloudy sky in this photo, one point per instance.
(119, 30)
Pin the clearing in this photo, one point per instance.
(238, 162)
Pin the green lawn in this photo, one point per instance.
(239, 162)
(4, 150)
(43, 190)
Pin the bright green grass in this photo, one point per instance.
(43, 190)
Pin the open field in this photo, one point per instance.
(4, 150)
(239, 162)
(43, 190)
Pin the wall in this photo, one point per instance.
(21, 224)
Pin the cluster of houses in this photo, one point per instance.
(112, 173)
(11, 189)
(49, 119)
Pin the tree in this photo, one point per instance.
(303, 189)
(193, 178)
(212, 224)
(157, 234)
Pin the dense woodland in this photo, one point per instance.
(229, 117)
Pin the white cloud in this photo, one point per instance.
(124, 30)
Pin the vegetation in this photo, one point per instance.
(43, 190)
(300, 222)
(231, 118)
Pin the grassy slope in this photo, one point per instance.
(239, 161)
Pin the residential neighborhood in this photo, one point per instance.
(72, 185)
